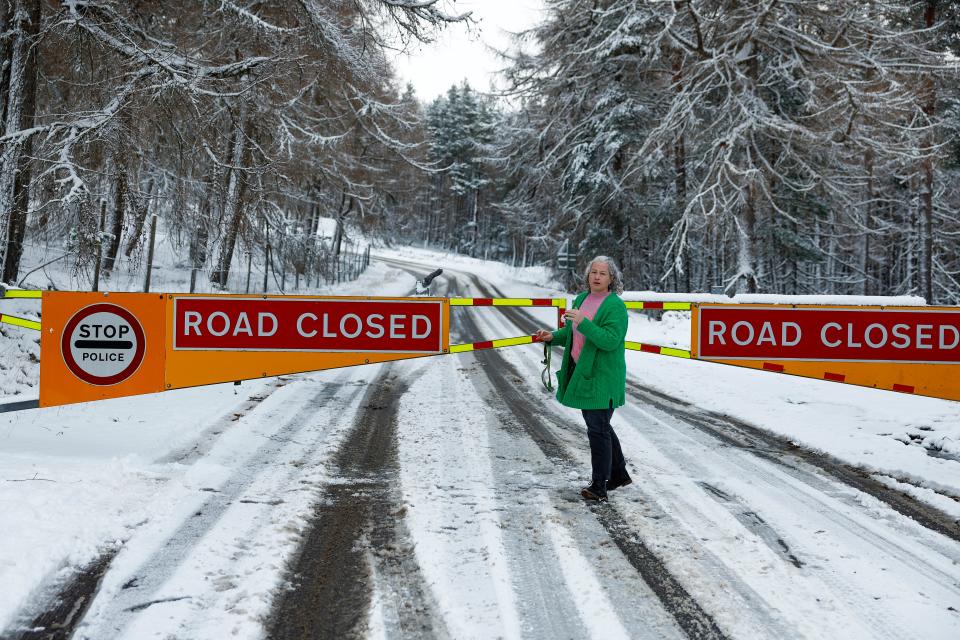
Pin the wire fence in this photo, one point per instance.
(48, 266)
(269, 276)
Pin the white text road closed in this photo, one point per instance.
(103, 344)
(741, 332)
(302, 324)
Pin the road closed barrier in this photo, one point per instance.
(106, 345)
(905, 349)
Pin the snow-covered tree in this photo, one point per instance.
(779, 142)
(226, 116)
(461, 127)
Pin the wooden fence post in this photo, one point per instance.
(153, 238)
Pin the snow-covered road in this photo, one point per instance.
(438, 498)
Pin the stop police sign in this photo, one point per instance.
(103, 344)
(738, 332)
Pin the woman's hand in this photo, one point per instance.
(544, 336)
(573, 315)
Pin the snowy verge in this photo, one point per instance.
(76, 479)
(863, 427)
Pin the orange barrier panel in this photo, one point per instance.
(101, 345)
(904, 349)
(107, 345)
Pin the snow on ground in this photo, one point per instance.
(19, 353)
(890, 434)
(455, 547)
(841, 537)
(130, 473)
(247, 501)
(46, 267)
(78, 479)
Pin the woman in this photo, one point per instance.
(593, 375)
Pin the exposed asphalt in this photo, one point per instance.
(676, 600)
(357, 543)
(68, 605)
(730, 431)
(357, 531)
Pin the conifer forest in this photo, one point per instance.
(775, 146)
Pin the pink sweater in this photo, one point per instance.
(589, 308)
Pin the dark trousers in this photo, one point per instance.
(606, 456)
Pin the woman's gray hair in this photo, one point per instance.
(616, 277)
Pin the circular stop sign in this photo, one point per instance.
(103, 344)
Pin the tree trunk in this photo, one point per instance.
(337, 229)
(6, 54)
(679, 148)
(233, 209)
(746, 253)
(926, 190)
(680, 186)
(266, 254)
(198, 248)
(19, 109)
(747, 216)
(867, 227)
(141, 218)
(98, 259)
(119, 216)
(337, 243)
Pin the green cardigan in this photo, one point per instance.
(601, 373)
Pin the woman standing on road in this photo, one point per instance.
(593, 374)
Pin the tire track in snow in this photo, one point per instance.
(64, 609)
(201, 445)
(825, 507)
(737, 433)
(820, 488)
(687, 613)
(358, 538)
(543, 608)
(119, 607)
(796, 466)
(68, 606)
(741, 435)
(752, 522)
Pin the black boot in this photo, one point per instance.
(619, 481)
(596, 491)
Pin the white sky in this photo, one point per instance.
(457, 54)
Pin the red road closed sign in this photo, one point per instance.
(739, 332)
(292, 324)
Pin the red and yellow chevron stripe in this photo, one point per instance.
(491, 344)
(666, 306)
(508, 302)
(656, 349)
